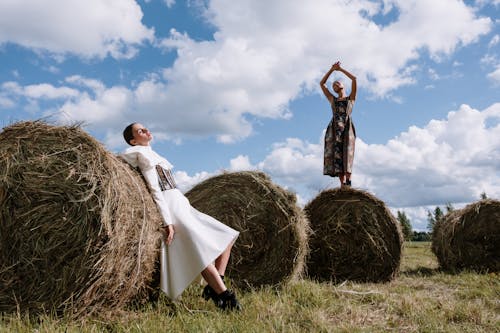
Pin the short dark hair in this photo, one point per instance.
(128, 133)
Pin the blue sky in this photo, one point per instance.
(233, 85)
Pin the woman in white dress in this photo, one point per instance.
(197, 243)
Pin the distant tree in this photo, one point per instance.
(432, 218)
(421, 236)
(437, 215)
(484, 196)
(405, 225)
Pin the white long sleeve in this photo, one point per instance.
(146, 159)
(151, 177)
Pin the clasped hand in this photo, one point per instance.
(336, 66)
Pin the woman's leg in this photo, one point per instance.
(342, 179)
(223, 259)
(223, 298)
(211, 275)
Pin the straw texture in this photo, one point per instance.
(272, 245)
(355, 237)
(78, 228)
(469, 237)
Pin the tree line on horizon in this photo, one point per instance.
(432, 218)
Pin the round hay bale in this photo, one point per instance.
(469, 237)
(78, 228)
(272, 245)
(354, 237)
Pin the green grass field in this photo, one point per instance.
(420, 299)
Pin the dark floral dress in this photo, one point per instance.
(340, 137)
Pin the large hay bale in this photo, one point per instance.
(78, 229)
(272, 245)
(355, 237)
(469, 237)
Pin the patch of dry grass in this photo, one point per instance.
(420, 299)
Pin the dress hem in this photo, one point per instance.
(205, 264)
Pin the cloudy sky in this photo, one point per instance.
(233, 85)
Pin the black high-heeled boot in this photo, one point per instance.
(209, 292)
(227, 301)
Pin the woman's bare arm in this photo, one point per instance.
(352, 96)
(322, 83)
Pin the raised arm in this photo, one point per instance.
(352, 96)
(322, 83)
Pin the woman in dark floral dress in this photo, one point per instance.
(340, 134)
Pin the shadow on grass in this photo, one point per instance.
(426, 271)
(422, 271)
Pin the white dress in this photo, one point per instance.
(198, 239)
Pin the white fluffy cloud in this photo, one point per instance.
(240, 163)
(40, 91)
(447, 161)
(495, 75)
(6, 102)
(110, 108)
(11, 92)
(186, 182)
(169, 3)
(486, 2)
(265, 54)
(91, 28)
(451, 160)
(494, 41)
(94, 105)
(491, 59)
(109, 105)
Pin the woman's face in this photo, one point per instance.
(337, 86)
(142, 136)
